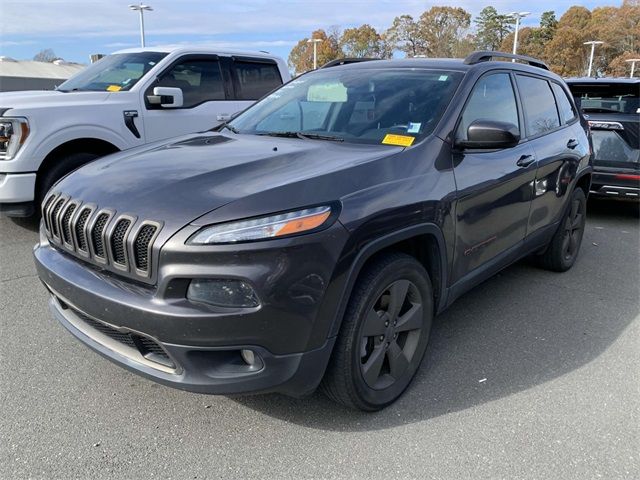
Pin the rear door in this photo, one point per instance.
(559, 143)
(207, 93)
(494, 186)
(253, 78)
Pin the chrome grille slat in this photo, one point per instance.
(97, 233)
(79, 228)
(142, 246)
(45, 207)
(55, 226)
(116, 242)
(65, 225)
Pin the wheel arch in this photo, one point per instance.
(84, 145)
(425, 242)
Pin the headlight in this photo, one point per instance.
(13, 133)
(280, 225)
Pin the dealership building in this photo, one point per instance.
(29, 75)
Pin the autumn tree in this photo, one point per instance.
(492, 28)
(363, 41)
(566, 52)
(532, 41)
(405, 35)
(443, 28)
(301, 56)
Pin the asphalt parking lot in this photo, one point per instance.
(531, 375)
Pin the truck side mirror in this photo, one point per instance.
(166, 97)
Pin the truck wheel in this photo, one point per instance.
(383, 336)
(59, 169)
(563, 249)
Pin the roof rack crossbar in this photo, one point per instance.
(485, 56)
(346, 61)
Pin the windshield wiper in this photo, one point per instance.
(312, 136)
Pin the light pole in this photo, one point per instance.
(593, 44)
(633, 61)
(517, 16)
(141, 8)
(315, 42)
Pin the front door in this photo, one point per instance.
(207, 98)
(494, 186)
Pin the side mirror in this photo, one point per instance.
(166, 97)
(490, 134)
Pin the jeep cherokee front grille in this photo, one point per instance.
(120, 243)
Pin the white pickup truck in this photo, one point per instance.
(126, 99)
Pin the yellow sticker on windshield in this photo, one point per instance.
(399, 140)
(114, 88)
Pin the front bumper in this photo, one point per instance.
(154, 331)
(17, 187)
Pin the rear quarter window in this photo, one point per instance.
(567, 113)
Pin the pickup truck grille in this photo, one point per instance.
(118, 242)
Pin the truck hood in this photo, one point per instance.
(178, 182)
(13, 102)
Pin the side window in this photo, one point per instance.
(256, 79)
(200, 81)
(567, 113)
(540, 111)
(492, 98)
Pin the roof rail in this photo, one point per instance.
(346, 61)
(485, 56)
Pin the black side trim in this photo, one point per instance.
(377, 245)
(129, 115)
(520, 250)
(3, 110)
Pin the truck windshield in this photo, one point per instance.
(390, 106)
(607, 97)
(113, 73)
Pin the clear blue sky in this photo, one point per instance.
(75, 29)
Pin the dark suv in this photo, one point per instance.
(612, 108)
(311, 240)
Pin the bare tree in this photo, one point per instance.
(47, 55)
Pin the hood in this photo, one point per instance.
(10, 101)
(178, 182)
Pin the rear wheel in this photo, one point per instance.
(383, 336)
(563, 249)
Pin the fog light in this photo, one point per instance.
(222, 293)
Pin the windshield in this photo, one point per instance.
(607, 97)
(113, 73)
(391, 106)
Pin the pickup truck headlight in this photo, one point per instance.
(13, 133)
(262, 228)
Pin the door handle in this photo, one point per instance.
(573, 143)
(223, 117)
(525, 160)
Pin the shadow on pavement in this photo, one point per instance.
(520, 329)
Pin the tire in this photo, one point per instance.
(62, 166)
(381, 333)
(563, 249)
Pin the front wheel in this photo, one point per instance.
(383, 336)
(563, 249)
